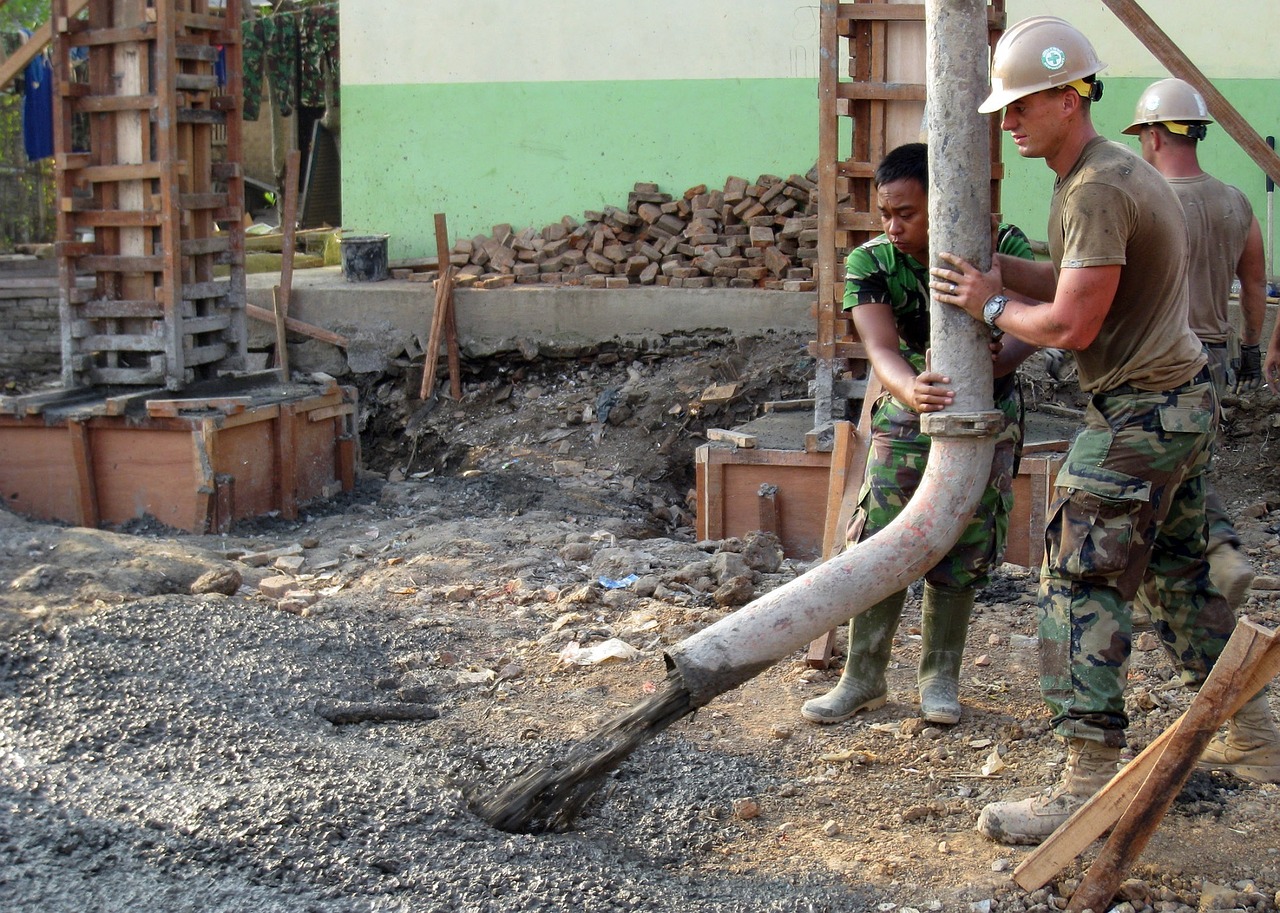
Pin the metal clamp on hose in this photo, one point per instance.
(962, 424)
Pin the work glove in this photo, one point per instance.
(1249, 374)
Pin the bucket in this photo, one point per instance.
(364, 257)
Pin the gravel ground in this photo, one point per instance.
(173, 751)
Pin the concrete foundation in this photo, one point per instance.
(382, 320)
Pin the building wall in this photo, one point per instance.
(32, 340)
(499, 112)
(521, 113)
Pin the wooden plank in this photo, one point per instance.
(286, 461)
(117, 218)
(328, 412)
(201, 116)
(102, 104)
(281, 293)
(297, 326)
(202, 200)
(198, 247)
(877, 12)
(1247, 650)
(1105, 807)
(103, 37)
(1180, 65)
(96, 263)
(195, 82)
(86, 487)
(122, 342)
(100, 174)
(881, 91)
(105, 309)
(170, 408)
(120, 405)
(195, 291)
(737, 438)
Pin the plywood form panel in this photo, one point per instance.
(37, 472)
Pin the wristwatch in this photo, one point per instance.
(992, 310)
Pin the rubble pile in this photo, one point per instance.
(746, 235)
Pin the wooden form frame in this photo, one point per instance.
(871, 86)
(162, 214)
(193, 464)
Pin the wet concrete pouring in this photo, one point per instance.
(180, 730)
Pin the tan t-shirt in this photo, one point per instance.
(1218, 221)
(1113, 208)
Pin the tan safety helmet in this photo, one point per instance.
(1175, 104)
(1042, 52)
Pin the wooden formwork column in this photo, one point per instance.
(871, 97)
(144, 208)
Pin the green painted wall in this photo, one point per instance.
(1029, 183)
(529, 153)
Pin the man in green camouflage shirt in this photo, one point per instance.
(887, 295)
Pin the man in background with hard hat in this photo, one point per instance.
(1128, 510)
(1226, 243)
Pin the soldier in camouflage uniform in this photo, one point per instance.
(1171, 119)
(886, 293)
(1129, 502)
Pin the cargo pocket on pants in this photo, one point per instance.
(1094, 520)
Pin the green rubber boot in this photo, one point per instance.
(945, 624)
(862, 686)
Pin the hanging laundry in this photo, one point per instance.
(37, 109)
(292, 51)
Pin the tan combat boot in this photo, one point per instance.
(1230, 571)
(1250, 749)
(863, 685)
(1090, 766)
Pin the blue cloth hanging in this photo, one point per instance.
(37, 109)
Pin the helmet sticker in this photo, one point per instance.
(1153, 102)
(1052, 58)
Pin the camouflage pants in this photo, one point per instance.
(895, 466)
(1128, 515)
(1221, 529)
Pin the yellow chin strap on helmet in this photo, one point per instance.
(1194, 131)
(1086, 88)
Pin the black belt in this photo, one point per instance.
(1130, 390)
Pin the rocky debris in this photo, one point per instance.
(159, 744)
(761, 234)
(224, 580)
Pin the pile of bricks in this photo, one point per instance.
(748, 235)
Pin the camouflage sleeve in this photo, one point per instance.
(1011, 240)
(864, 281)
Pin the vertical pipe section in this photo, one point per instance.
(959, 192)
(740, 646)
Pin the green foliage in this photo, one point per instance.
(29, 13)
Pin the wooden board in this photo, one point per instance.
(729, 481)
(195, 472)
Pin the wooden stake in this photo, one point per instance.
(1228, 686)
(281, 293)
(443, 322)
(437, 327)
(297, 326)
(1104, 809)
(1180, 65)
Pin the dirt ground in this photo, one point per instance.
(504, 581)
